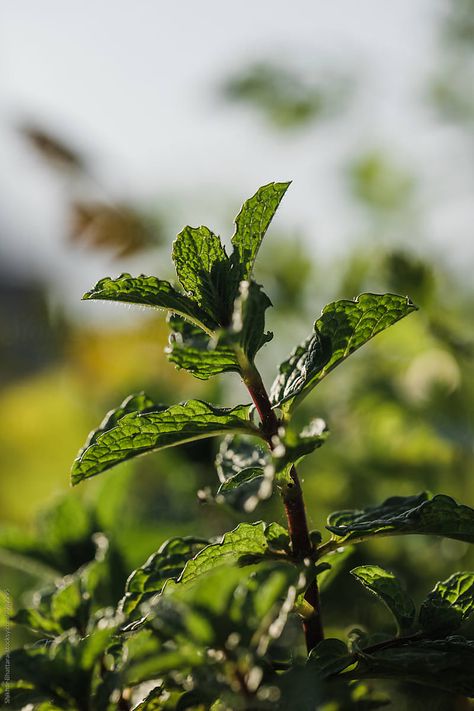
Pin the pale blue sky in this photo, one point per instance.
(132, 82)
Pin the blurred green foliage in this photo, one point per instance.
(287, 97)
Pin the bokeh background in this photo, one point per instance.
(122, 121)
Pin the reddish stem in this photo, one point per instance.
(293, 501)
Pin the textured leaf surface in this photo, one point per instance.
(167, 563)
(245, 545)
(151, 429)
(399, 515)
(252, 223)
(149, 291)
(344, 326)
(448, 605)
(387, 588)
(193, 350)
(444, 664)
(203, 268)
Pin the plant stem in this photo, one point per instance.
(293, 502)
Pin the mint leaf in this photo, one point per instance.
(150, 291)
(193, 350)
(344, 326)
(167, 563)
(448, 605)
(401, 515)
(443, 664)
(251, 225)
(245, 472)
(242, 488)
(329, 657)
(291, 446)
(154, 428)
(248, 320)
(387, 588)
(64, 607)
(251, 605)
(60, 672)
(245, 545)
(203, 269)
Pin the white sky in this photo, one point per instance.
(133, 83)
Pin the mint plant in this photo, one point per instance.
(219, 624)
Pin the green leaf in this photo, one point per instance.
(167, 563)
(154, 428)
(343, 327)
(238, 452)
(401, 515)
(243, 490)
(292, 446)
(387, 588)
(193, 350)
(60, 671)
(245, 545)
(329, 657)
(448, 605)
(254, 603)
(251, 225)
(203, 269)
(64, 607)
(248, 320)
(150, 291)
(245, 472)
(444, 664)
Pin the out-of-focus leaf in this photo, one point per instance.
(150, 291)
(168, 562)
(336, 561)
(379, 184)
(444, 664)
(63, 540)
(250, 603)
(303, 688)
(117, 227)
(344, 326)
(401, 515)
(65, 607)
(387, 588)
(245, 472)
(329, 657)
(448, 605)
(287, 98)
(195, 351)
(60, 671)
(238, 452)
(245, 545)
(53, 149)
(154, 428)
